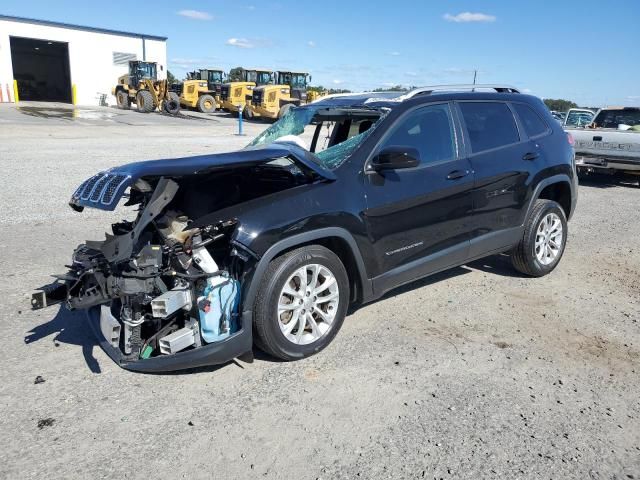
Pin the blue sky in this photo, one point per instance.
(585, 50)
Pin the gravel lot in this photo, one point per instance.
(474, 373)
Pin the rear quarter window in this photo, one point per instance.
(489, 124)
(531, 121)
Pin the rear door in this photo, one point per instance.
(503, 160)
(417, 218)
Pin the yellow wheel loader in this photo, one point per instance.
(142, 87)
(239, 93)
(202, 90)
(273, 101)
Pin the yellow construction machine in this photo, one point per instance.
(273, 101)
(202, 90)
(142, 87)
(239, 93)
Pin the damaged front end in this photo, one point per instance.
(163, 292)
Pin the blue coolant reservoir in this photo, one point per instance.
(217, 307)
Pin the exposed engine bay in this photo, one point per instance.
(162, 284)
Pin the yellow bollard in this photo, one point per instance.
(16, 97)
(73, 94)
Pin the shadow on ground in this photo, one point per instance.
(70, 328)
(609, 181)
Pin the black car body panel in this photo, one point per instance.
(391, 226)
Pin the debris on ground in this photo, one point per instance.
(46, 422)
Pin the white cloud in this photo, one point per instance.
(240, 42)
(249, 42)
(251, 7)
(311, 44)
(337, 82)
(195, 15)
(526, 90)
(633, 97)
(466, 17)
(411, 74)
(394, 54)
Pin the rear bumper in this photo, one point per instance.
(211, 354)
(601, 163)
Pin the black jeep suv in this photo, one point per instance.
(337, 203)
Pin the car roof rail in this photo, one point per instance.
(461, 87)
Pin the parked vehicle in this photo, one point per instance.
(578, 117)
(560, 116)
(238, 94)
(142, 87)
(274, 101)
(610, 143)
(334, 205)
(202, 90)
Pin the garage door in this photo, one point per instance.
(41, 69)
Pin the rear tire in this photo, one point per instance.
(544, 240)
(206, 104)
(122, 99)
(296, 318)
(144, 101)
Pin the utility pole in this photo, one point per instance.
(475, 74)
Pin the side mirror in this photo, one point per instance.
(396, 157)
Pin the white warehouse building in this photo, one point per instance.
(50, 61)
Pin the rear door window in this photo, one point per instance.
(489, 124)
(533, 124)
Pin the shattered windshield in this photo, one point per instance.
(331, 134)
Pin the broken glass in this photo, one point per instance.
(293, 123)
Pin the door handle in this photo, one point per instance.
(456, 174)
(530, 156)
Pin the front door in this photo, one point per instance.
(418, 218)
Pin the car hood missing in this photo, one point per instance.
(105, 189)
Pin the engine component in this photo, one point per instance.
(180, 339)
(217, 308)
(109, 326)
(203, 259)
(171, 301)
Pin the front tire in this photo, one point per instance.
(206, 104)
(122, 99)
(301, 303)
(144, 101)
(544, 240)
